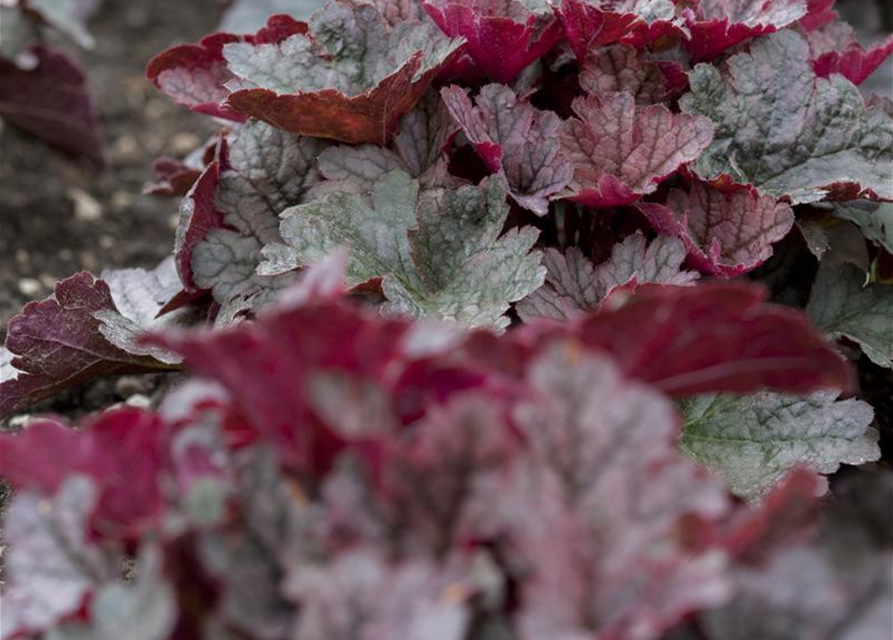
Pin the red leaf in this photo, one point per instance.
(715, 337)
(588, 26)
(198, 215)
(121, 451)
(725, 234)
(853, 62)
(193, 75)
(372, 116)
(50, 101)
(502, 37)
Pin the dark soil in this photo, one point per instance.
(59, 216)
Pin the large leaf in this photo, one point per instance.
(618, 68)
(715, 337)
(725, 233)
(843, 305)
(352, 81)
(502, 37)
(515, 140)
(50, 100)
(787, 132)
(573, 284)
(59, 342)
(621, 151)
(607, 558)
(440, 253)
(752, 441)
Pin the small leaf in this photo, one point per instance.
(753, 441)
(618, 69)
(787, 132)
(621, 151)
(502, 37)
(835, 49)
(724, 233)
(842, 305)
(573, 284)
(516, 141)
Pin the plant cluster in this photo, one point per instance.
(510, 321)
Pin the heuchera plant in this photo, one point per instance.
(508, 321)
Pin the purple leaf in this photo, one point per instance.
(621, 151)
(515, 140)
(725, 234)
(50, 100)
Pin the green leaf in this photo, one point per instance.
(439, 252)
(875, 220)
(753, 440)
(842, 305)
(787, 132)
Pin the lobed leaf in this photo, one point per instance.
(835, 49)
(787, 132)
(753, 441)
(621, 151)
(502, 37)
(725, 234)
(352, 81)
(59, 342)
(573, 284)
(439, 253)
(516, 141)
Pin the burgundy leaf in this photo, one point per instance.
(176, 177)
(715, 337)
(725, 234)
(352, 81)
(515, 140)
(818, 14)
(618, 68)
(194, 75)
(57, 343)
(835, 49)
(639, 23)
(50, 101)
(502, 36)
(198, 215)
(718, 25)
(621, 150)
(121, 451)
